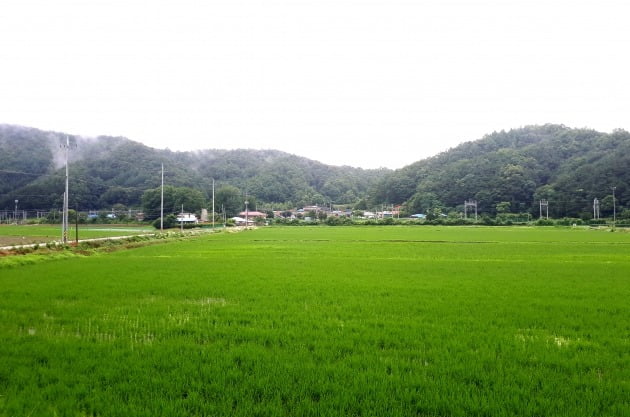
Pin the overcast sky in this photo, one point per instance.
(375, 83)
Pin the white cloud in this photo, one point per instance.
(365, 83)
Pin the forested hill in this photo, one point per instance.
(512, 171)
(106, 171)
(504, 172)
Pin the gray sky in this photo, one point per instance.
(364, 83)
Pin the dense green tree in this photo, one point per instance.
(109, 170)
(119, 195)
(169, 221)
(423, 202)
(174, 198)
(567, 167)
(361, 204)
(25, 154)
(503, 207)
(230, 199)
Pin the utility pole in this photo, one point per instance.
(544, 204)
(162, 202)
(64, 226)
(596, 209)
(213, 204)
(76, 229)
(181, 223)
(64, 232)
(246, 212)
(614, 208)
(15, 213)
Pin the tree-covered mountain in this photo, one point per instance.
(504, 172)
(107, 171)
(512, 171)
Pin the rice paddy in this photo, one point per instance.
(323, 321)
(33, 234)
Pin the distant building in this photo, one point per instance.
(369, 215)
(252, 214)
(239, 221)
(187, 218)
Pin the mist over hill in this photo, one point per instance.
(507, 171)
(105, 171)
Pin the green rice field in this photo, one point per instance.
(325, 321)
(29, 234)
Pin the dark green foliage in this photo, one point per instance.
(106, 171)
(174, 199)
(25, 154)
(230, 200)
(567, 167)
(510, 171)
(338, 221)
(169, 221)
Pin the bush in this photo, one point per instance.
(569, 221)
(170, 221)
(488, 221)
(338, 221)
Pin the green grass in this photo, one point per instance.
(15, 234)
(372, 321)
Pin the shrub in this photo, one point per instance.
(488, 221)
(569, 221)
(169, 222)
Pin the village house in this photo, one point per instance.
(252, 214)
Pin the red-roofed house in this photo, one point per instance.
(252, 214)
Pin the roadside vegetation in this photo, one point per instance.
(23, 254)
(18, 235)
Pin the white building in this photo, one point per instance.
(187, 218)
(239, 221)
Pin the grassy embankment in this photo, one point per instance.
(325, 321)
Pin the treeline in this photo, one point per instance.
(507, 172)
(115, 171)
(511, 172)
(499, 220)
